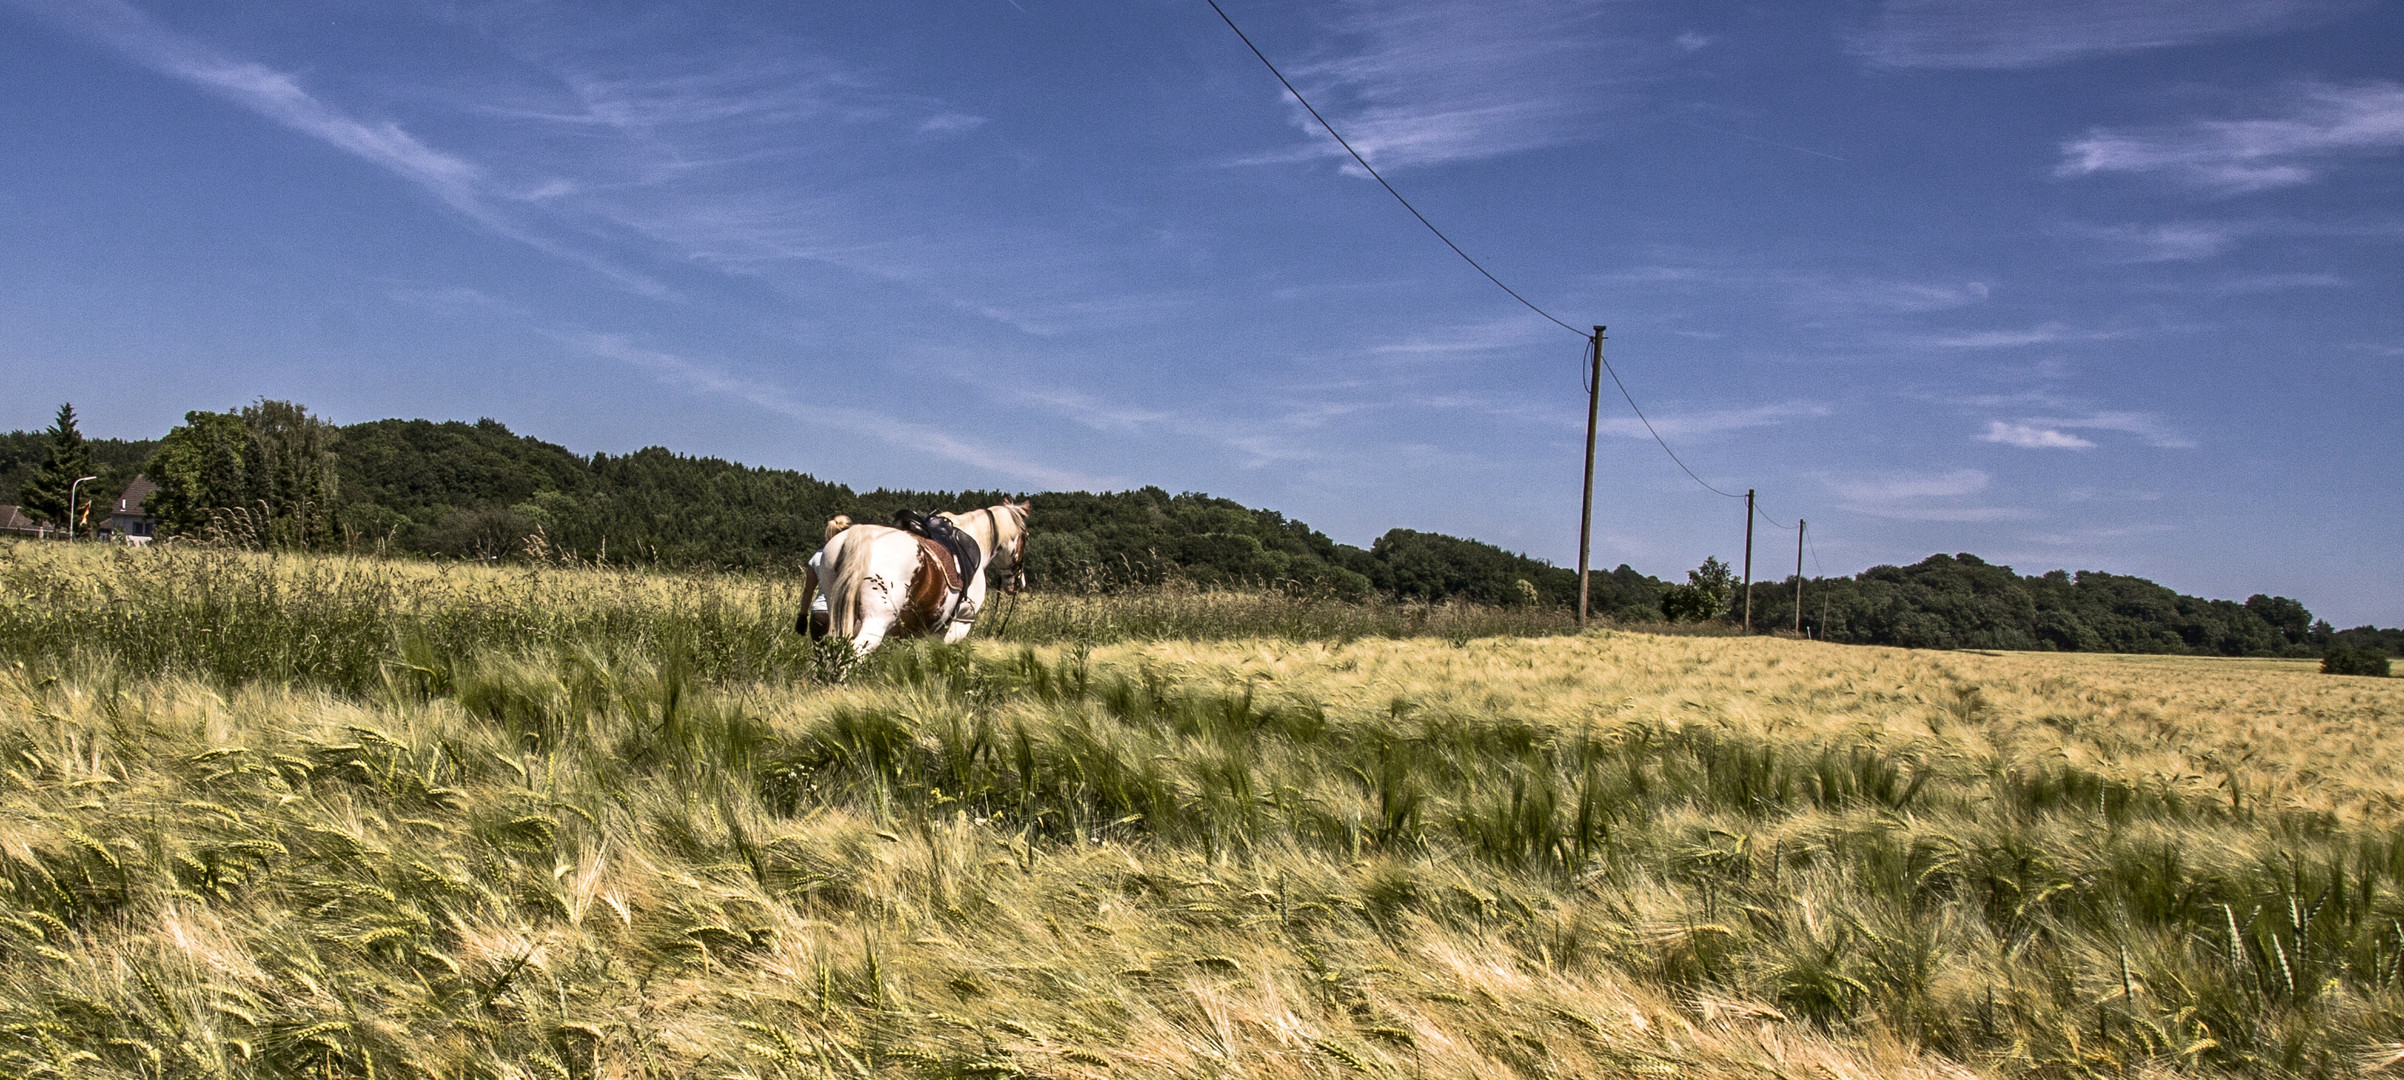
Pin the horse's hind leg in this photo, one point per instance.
(877, 614)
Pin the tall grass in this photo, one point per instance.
(602, 825)
(344, 623)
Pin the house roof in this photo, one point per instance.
(129, 502)
(14, 520)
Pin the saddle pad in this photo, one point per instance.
(941, 557)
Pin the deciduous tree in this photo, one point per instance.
(202, 468)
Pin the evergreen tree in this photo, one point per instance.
(46, 494)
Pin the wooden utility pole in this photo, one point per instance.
(1748, 560)
(1594, 402)
(1798, 575)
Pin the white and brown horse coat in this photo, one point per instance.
(881, 581)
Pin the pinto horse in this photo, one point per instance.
(881, 582)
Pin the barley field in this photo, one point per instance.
(315, 816)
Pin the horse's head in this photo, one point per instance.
(1016, 513)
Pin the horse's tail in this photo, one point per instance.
(843, 584)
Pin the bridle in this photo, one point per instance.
(1016, 579)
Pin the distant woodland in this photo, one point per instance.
(272, 474)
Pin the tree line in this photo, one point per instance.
(272, 474)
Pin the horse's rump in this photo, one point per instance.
(928, 589)
(933, 578)
(847, 570)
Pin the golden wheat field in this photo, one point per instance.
(292, 816)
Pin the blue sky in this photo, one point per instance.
(2104, 284)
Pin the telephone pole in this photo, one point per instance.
(1594, 401)
(1748, 560)
(1798, 575)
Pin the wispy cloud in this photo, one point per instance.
(2032, 437)
(2315, 123)
(455, 298)
(1904, 487)
(1686, 425)
(1819, 296)
(1085, 409)
(2148, 428)
(2170, 241)
(273, 94)
(1512, 330)
(2098, 534)
(702, 377)
(458, 182)
(737, 152)
(2052, 333)
(2056, 432)
(2035, 33)
(1919, 496)
(2250, 284)
(1423, 82)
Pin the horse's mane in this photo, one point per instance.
(1015, 511)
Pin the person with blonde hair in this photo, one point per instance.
(814, 618)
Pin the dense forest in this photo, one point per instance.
(479, 491)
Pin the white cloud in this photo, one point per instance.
(950, 123)
(2098, 534)
(1897, 487)
(275, 95)
(2029, 437)
(1085, 409)
(1818, 295)
(2052, 333)
(1511, 330)
(2171, 241)
(1425, 82)
(1941, 513)
(2317, 122)
(464, 185)
(2250, 284)
(722, 155)
(1919, 496)
(1687, 425)
(2057, 432)
(2145, 426)
(2034, 33)
(701, 377)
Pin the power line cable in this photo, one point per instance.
(1648, 427)
(1381, 180)
(1456, 248)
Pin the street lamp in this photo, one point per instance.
(71, 505)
